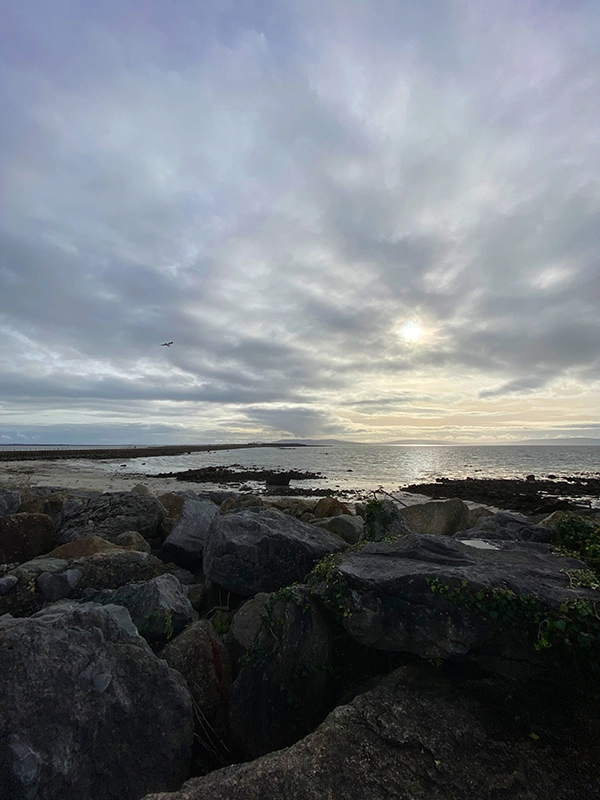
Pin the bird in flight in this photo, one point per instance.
(166, 344)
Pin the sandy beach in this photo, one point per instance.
(84, 475)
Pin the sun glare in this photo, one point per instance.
(411, 332)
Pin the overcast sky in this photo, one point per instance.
(360, 219)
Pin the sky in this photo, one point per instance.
(371, 220)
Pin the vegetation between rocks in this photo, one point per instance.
(579, 537)
(572, 629)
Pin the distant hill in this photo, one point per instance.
(420, 441)
(565, 442)
(309, 442)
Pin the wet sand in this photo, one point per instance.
(79, 469)
(83, 475)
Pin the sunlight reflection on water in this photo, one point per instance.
(367, 467)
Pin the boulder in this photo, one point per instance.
(330, 507)
(199, 656)
(507, 527)
(258, 550)
(103, 570)
(185, 544)
(240, 501)
(442, 517)
(196, 593)
(140, 488)
(50, 499)
(385, 598)
(118, 567)
(24, 536)
(350, 528)
(386, 523)
(159, 608)
(82, 548)
(172, 502)
(132, 540)
(414, 738)
(281, 691)
(244, 626)
(296, 506)
(54, 586)
(552, 520)
(86, 709)
(109, 515)
(9, 502)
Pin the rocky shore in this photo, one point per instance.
(529, 495)
(190, 645)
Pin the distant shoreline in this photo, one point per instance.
(140, 451)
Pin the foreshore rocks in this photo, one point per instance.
(185, 543)
(109, 515)
(390, 595)
(86, 709)
(148, 644)
(281, 692)
(103, 570)
(25, 536)
(159, 608)
(199, 655)
(257, 550)
(416, 737)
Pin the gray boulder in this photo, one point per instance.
(442, 517)
(385, 598)
(350, 528)
(244, 627)
(414, 738)
(330, 507)
(48, 500)
(86, 709)
(386, 524)
(25, 536)
(105, 570)
(282, 689)
(9, 502)
(159, 608)
(134, 541)
(185, 544)
(109, 515)
(260, 550)
(56, 585)
(507, 527)
(199, 656)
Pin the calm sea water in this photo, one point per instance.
(366, 467)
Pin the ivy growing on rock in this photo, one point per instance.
(572, 629)
(579, 537)
(378, 514)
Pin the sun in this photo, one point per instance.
(411, 332)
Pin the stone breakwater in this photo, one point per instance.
(220, 645)
(143, 451)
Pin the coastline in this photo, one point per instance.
(69, 475)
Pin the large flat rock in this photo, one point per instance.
(384, 593)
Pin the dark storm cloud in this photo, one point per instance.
(318, 202)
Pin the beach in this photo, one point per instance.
(83, 475)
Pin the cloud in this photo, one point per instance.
(281, 188)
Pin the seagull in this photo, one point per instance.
(166, 344)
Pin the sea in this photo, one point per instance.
(365, 468)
